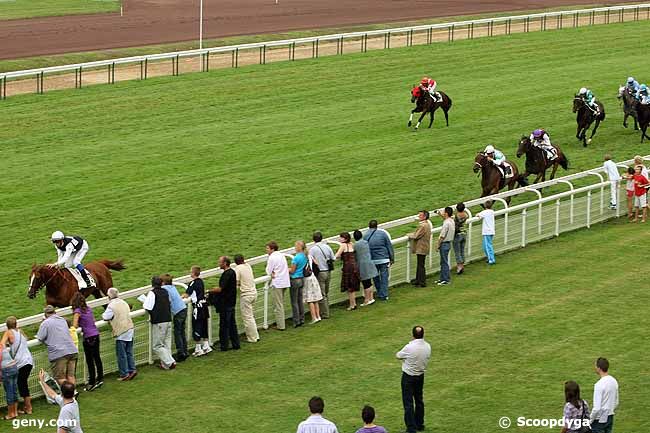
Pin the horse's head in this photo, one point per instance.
(36, 281)
(578, 102)
(524, 145)
(479, 161)
(621, 91)
(416, 93)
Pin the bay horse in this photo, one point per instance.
(629, 106)
(492, 181)
(585, 118)
(643, 113)
(424, 104)
(61, 286)
(536, 162)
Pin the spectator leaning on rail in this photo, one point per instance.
(277, 269)
(367, 270)
(179, 317)
(200, 313)
(322, 265)
(420, 245)
(83, 318)
(24, 360)
(226, 300)
(383, 256)
(159, 307)
(61, 350)
(297, 282)
(444, 244)
(605, 399)
(415, 357)
(118, 314)
(316, 423)
(369, 426)
(460, 237)
(247, 297)
(614, 178)
(9, 367)
(488, 231)
(69, 420)
(640, 194)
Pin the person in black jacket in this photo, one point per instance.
(225, 302)
(160, 312)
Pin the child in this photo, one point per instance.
(641, 185)
(629, 192)
(200, 313)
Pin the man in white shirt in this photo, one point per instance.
(278, 270)
(316, 423)
(415, 357)
(614, 177)
(605, 399)
(488, 231)
(248, 296)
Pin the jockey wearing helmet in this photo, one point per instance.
(497, 158)
(632, 85)
(588, 96)
(429, 84)
(70, 252)
(643, 95)
(539, 138)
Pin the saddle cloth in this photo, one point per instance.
(80, 281)
(508, 171)
(436, 96)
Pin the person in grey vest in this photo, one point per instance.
(320, 254)
(118, 315)
(159, 307)
(367, 269)
(383, 256)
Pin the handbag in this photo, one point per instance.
(330, 262)
(306, 271)
(584, 428)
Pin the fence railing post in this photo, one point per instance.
(505, 228)
(588, 209)
(407, 278)
(469, 241)
(150, 338)
(618, 200)
(265, 324)
(557, 217)
(602, 198)
(523, 228)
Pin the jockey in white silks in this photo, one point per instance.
(539, 138)
(497, 158)
(70, 252)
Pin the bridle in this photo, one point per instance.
(43, 284)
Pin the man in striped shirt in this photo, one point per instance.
(316, 423)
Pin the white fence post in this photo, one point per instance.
(523, 228)
(557, 217)
(469, 241)
(150, 359)
(266, 305)
(407, 279)
(618, 199)
(588, 209)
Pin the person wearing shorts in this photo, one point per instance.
(61, 350)
(640, 190)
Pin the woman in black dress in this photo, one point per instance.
(350, 275)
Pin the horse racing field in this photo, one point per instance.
(504, 342)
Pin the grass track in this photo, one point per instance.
(503, 345)
(14, 9)
(176, 171)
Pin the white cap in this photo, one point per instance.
(57, 236)
(489, 149)
(583, 90)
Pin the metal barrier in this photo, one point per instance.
(201, 60)
(516, 226)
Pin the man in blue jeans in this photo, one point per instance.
(488, 231)
(118, 315)
(382, 255)
(179, 318)
(444, 244)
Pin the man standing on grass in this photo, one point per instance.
(227, 301)
(278, 270)
(420, 244)
(614, 178)
(605, 399)
(444, 244)
(316, 423)
(382, 255)
(415, 357)
(488, 231)
(179, 317)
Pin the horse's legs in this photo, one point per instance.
(431, 122)
(636, 124)
(578, 131)
(424, 113)
(593, 131)
(537, 179)
(554, 169)
(625, 116)
(411, 117)
(446, 111)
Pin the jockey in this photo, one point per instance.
(632, 85)
(70, 252)
(497, 158)
(429, 84)
(539, 138)
(643, 95)
(590, 99)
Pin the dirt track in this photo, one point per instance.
(147, 22)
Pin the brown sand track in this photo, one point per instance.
(147, 22)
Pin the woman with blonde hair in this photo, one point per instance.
(17, 342)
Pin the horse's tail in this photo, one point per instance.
(116, 265)
(522, 181)
(564, 162)
(449, 108)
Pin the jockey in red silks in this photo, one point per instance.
(429, 84)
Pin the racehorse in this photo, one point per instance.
(492, 181)
(61, 286)
(643, 113)
(424, 104)
(629, 105)
(585, 118)
(536, 162)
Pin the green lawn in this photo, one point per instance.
(504, 342)
(172, 172)
(14, 9)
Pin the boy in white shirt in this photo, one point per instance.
(488, 231)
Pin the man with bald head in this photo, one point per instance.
(415, 357)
